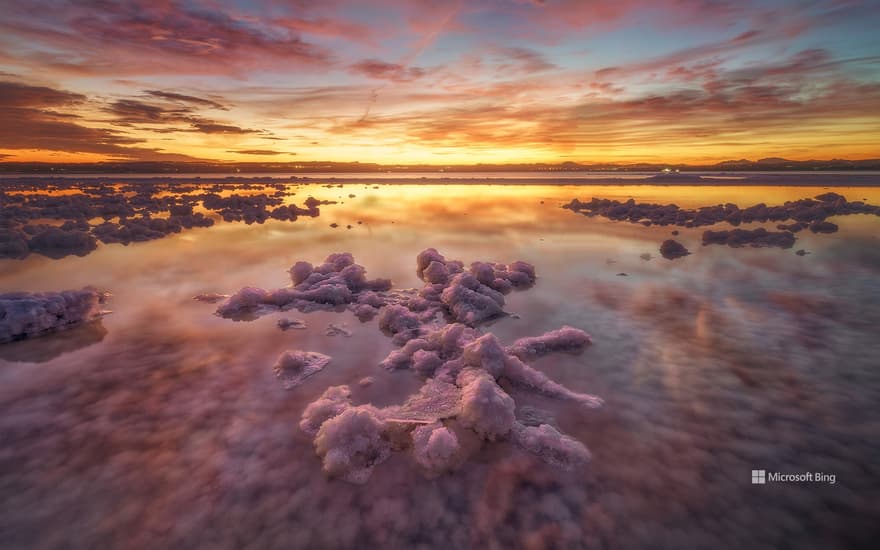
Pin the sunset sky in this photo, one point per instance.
(441, 82)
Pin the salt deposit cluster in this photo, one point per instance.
(462, 403)
(338, 282)
(804, 211)
(69, 217)
(809, 214)
(28, 314)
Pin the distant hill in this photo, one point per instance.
(138, 167)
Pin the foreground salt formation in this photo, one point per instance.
(436, 328)
(461, 398)
(469, 296)
(29, 314)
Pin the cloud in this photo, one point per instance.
(258, 152)
(172, 96)
(777, 104)
(145, 37)
(524, 60)
(18, 95)
(211, 127)
(380, 70)
(28, 121)
(173, 116)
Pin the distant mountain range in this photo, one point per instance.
(137, 167)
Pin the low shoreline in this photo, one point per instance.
(778, 179)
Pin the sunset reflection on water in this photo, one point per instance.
(166, 427)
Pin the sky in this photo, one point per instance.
(439, 82)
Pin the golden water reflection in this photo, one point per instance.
(170, 429)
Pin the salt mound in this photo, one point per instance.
(246, 299)
(472, 296)
(672, 249)
(470, 301)
(28, 314)
(293, 367)
(332, 402)
(353, 443)
(485, 352)
(435, 447)
(485, 407)
(469, 297)
(436, 331)
(336, 282)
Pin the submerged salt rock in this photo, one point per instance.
(566, 339)
(533, 416)
(518, 372)
(485, 407)
(29, 314)
(435, 447)
(210, 297)
(353, 443)
(756, 238)
(551, 446)
(332, 402)
(287, 324)
(435, 401)
(294, 366)
(338, 330)
(470, 302)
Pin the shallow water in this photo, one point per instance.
(164, 426)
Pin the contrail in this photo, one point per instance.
(423, 45)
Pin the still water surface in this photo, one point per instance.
(163, 426)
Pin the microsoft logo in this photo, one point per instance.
(759, 477)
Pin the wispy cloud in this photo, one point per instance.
(28, 120)
(421, 79)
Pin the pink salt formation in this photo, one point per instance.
(465, 371)
(30, 314)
